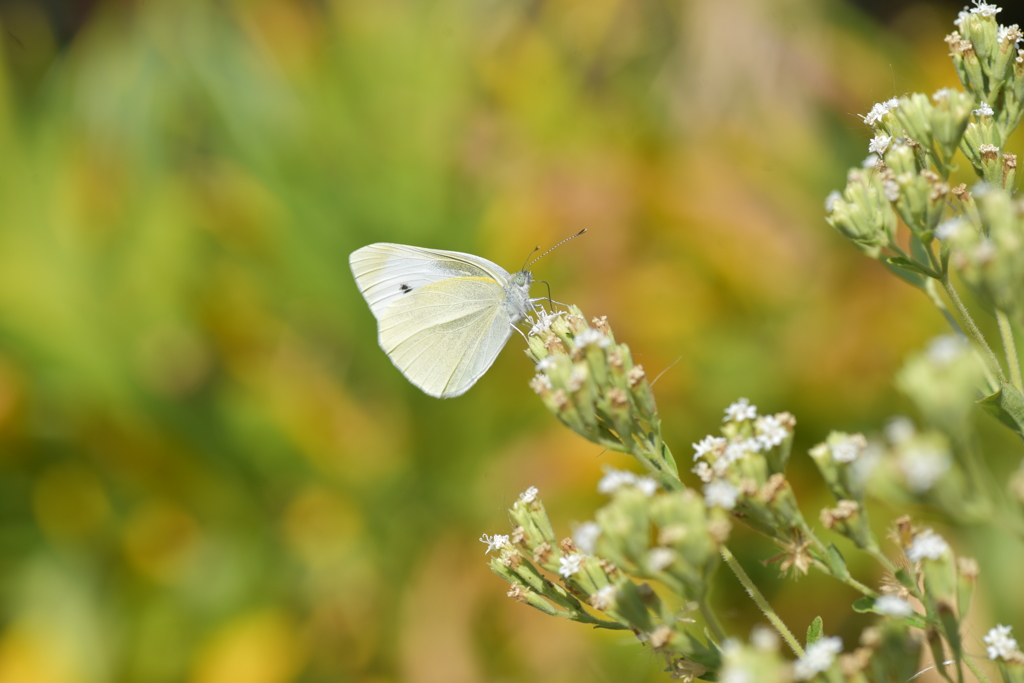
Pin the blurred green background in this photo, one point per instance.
(209, 472)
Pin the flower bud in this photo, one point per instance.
(950, 116)
(863, 214)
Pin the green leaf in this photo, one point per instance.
(814, 630)
(907, 264)
(836, 562)
(864, 605)
(1007, 406)
(913, 278)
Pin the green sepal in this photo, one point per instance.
(906, 579)
(814, 631)
(1007, 406)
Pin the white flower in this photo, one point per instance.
(999, 642)
(604, 598)
(899, 429)
(876, 113)
(870, 161)
(569, 564)
(983, 110)
(494, 542)
(704, 471)
(1008, 33)
(942, 94)
(830, 201)
(720, 493)
(590, 336)
(848, 448)
(546, 364)
(708, 444)
(927, 544)
(577, 378)
(614, 479)
(945, 349)
(540, 383)
(770, 431)
(646, 485)
(585, 536)
(923, 466)
(984, 9)
(950, 228)
(879, 144)
(818, 657)
(529, 495)
(893, 606)
(544, 320)
(891, 189)
(739, 411)
(892, 103)
(763, 638)
(660, 558)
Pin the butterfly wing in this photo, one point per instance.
(441, 315)
(386, 272)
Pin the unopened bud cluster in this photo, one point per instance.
(989, 252)
(916, 139)
(642, 534)
(592, 385)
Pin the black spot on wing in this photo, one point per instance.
(405, 288)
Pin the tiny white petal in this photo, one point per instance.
(709, 444)
(570, 564)
(927, 544)
(529, 495)
(830, 201)
(893, 606)
(817, 658)
(590, 336)
(879, 144)
(546, 364)
(585, 536)
(740, 411)
(720, 493)
(494, 542)
(704, 471)
(984, 110)
(660, 558)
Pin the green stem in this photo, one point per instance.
(1009, 348)
(712, 621)
(978, 673)
(848, 580)
(756, 596)
(972, 329)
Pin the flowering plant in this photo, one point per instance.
(903, 208)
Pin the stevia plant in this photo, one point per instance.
(905, 208)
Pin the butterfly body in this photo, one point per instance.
(442, 316)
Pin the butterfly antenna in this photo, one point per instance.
(553, 248)
(535, 250)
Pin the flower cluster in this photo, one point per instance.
(592, 385)
(602, 568)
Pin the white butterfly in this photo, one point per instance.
(442, 316)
